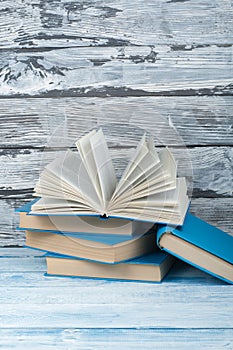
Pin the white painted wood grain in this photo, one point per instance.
(61, 24)
(61, 291)
(117, 71)
(22, 252)
(35, 122)
(163, 315)
(128, 339)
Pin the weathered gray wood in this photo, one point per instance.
(60, 24)
(117, 71)
(217, 211)
(198, 120)
(208, 169)
(102, 339)
(22, 252)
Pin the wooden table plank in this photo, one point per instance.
(60, 24)
(113, 71)
(166, 315)
(102, 339)
(30, 123)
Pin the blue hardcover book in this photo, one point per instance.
(151, 267)
(201, 245)
(91, 250)
(114, 230)
(93, 237)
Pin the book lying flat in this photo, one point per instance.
(151, 267)
(81, 223)
(84, 182)
(200, 244)
(97, 251)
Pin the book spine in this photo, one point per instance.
(160, 232)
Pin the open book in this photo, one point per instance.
(85, 183)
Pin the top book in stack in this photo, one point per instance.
(85, 183)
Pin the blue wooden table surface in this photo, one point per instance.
(189, 309)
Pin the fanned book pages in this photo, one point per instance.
(84, 183)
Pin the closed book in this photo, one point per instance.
(98, 251)
(91, 224)
(200, 244)
(152, 267)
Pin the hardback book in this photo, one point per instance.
(85, 183)
(85, 225)
(152, 267)
(200, 244)
(92, 250)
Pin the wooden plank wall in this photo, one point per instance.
(158, 65)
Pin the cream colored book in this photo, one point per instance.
(82, 224)
(93, 250)
(84, 183)
(152, 267)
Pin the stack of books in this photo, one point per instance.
(93, 225)
(102, 248)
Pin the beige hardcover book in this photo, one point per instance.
(85, 224)
(77, 247)
(152, 267)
